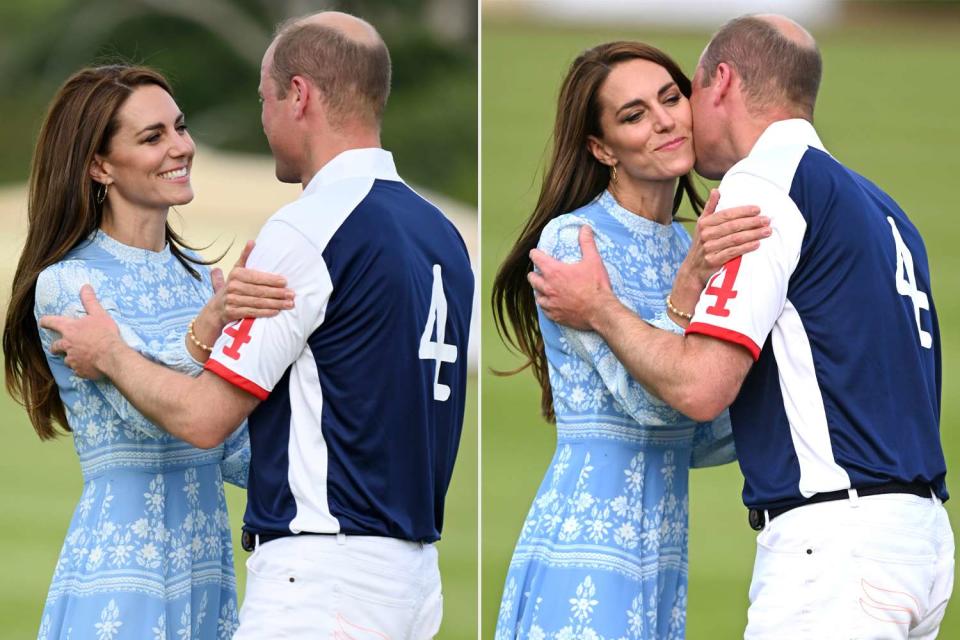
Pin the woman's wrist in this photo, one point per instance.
(202, 333)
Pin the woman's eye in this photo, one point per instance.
(182, 128)
(154, 138)
(634, 117)
(674, 99)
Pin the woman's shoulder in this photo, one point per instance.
(564, 230)
(59, 284)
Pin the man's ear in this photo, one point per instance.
(100, 169)
(303, 95)
(601, 151)
(722, 82)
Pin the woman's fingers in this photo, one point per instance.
(238, 301)
(735, 239)
(239, 313)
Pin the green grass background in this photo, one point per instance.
(888, 108)
(40, 484)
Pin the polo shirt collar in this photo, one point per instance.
(355, 163)
(788, 132)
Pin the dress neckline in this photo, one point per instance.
(635, 223)
(126, 253)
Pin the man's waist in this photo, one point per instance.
(251, 538)
(757, 517)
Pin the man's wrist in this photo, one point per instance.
(602, 317)
(108, 358)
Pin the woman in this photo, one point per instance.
(603, 551)
(148, 553)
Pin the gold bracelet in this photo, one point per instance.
(673, 309)
(194, 340)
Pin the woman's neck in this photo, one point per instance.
(135, 227)
(647, 199)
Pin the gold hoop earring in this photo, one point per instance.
(613, 173)
(101, 196)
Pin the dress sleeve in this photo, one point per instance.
(174, 352)
(713, 443)
(58, 294)
(560, 239)
(235, 465)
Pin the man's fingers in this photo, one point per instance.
(588, 246)
(53, 323)
(89, 299)
(541, 260)
(711, 205)
(58, 346)
(216, 278)
(247, 248)
(537, 282)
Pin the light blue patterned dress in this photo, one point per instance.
(603, 552)
(148, 554)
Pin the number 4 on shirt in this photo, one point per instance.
(725, 291)
(437, 350)
(906, 281)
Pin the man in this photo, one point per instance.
(824, 340)
(355, 397)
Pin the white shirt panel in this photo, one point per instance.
(747, 314)
(803, 404)
(259, 360)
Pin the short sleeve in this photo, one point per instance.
(742, 301)
(253, 354)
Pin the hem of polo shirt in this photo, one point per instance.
(236, 379)
(726, 335)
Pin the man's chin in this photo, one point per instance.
(708, 172)
(286, 176)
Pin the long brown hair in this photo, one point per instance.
(573, 178)
(62, 211)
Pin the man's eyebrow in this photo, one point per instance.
(639, 101)
(159, 125)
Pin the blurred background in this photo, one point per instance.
(211, 51)
(887, 109)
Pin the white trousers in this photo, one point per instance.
(341, 587)
(874, 567)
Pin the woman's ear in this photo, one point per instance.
(600, 151)
(100, 170)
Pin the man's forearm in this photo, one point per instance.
(673, 367)
(167, 398)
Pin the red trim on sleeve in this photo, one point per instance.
(236, 379)
(723, 334)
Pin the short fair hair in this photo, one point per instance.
(354, 77)
(774, 70)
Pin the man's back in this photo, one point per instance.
(360, 434)
(846, 388)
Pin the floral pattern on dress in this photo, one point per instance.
(148, 553)
(602, 552)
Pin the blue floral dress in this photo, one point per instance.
(603, 551)
(148, 554)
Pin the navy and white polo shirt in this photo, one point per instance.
(837, 311)
(363, 382)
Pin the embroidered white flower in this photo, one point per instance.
(110, 623)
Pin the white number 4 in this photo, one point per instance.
(437, 316)
(907, 283)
